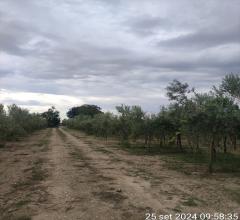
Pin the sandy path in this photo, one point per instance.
(59, 182)
(79, 189)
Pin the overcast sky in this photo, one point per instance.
(108, 52)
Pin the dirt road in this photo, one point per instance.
(60, 174)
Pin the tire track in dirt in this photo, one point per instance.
(78, 189)
(58, 182)
(137, 192)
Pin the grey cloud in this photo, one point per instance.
(4, 73)
(204, 39)
(147, 25)
(16, 34)
(13, 34)
(123, 49)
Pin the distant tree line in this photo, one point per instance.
(89, 110)
(52, 117)
(17, 122)
(192, 120)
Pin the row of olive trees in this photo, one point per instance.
(18, 122)
(192, 120)
(200, 120)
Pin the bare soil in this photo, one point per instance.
(61, 174)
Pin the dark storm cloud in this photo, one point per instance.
(118, 49)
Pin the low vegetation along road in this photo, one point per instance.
(64, 174)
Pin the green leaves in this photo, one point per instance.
(89, 110)
(231, 85)
(18, 122)
(52, 117)
(177, 91)
(192, 120)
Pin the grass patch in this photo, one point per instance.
(103, 150)
(141, 149)
(178, 160)
(174, 164)
(178, 209)
(30, 182)
(22, 203)
(44, 143)
(227, 162)
(108, 196)
(76, 155)
(195, 158)
(38, 174)
(21, 217)
(234, 194)
(190, 202)
(25, 217)
(21, 184)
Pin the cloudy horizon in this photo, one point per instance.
(106, 52)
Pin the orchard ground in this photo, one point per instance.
(65, 174)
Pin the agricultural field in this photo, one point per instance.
(184, 160)
(119, 110)
(59, 173)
